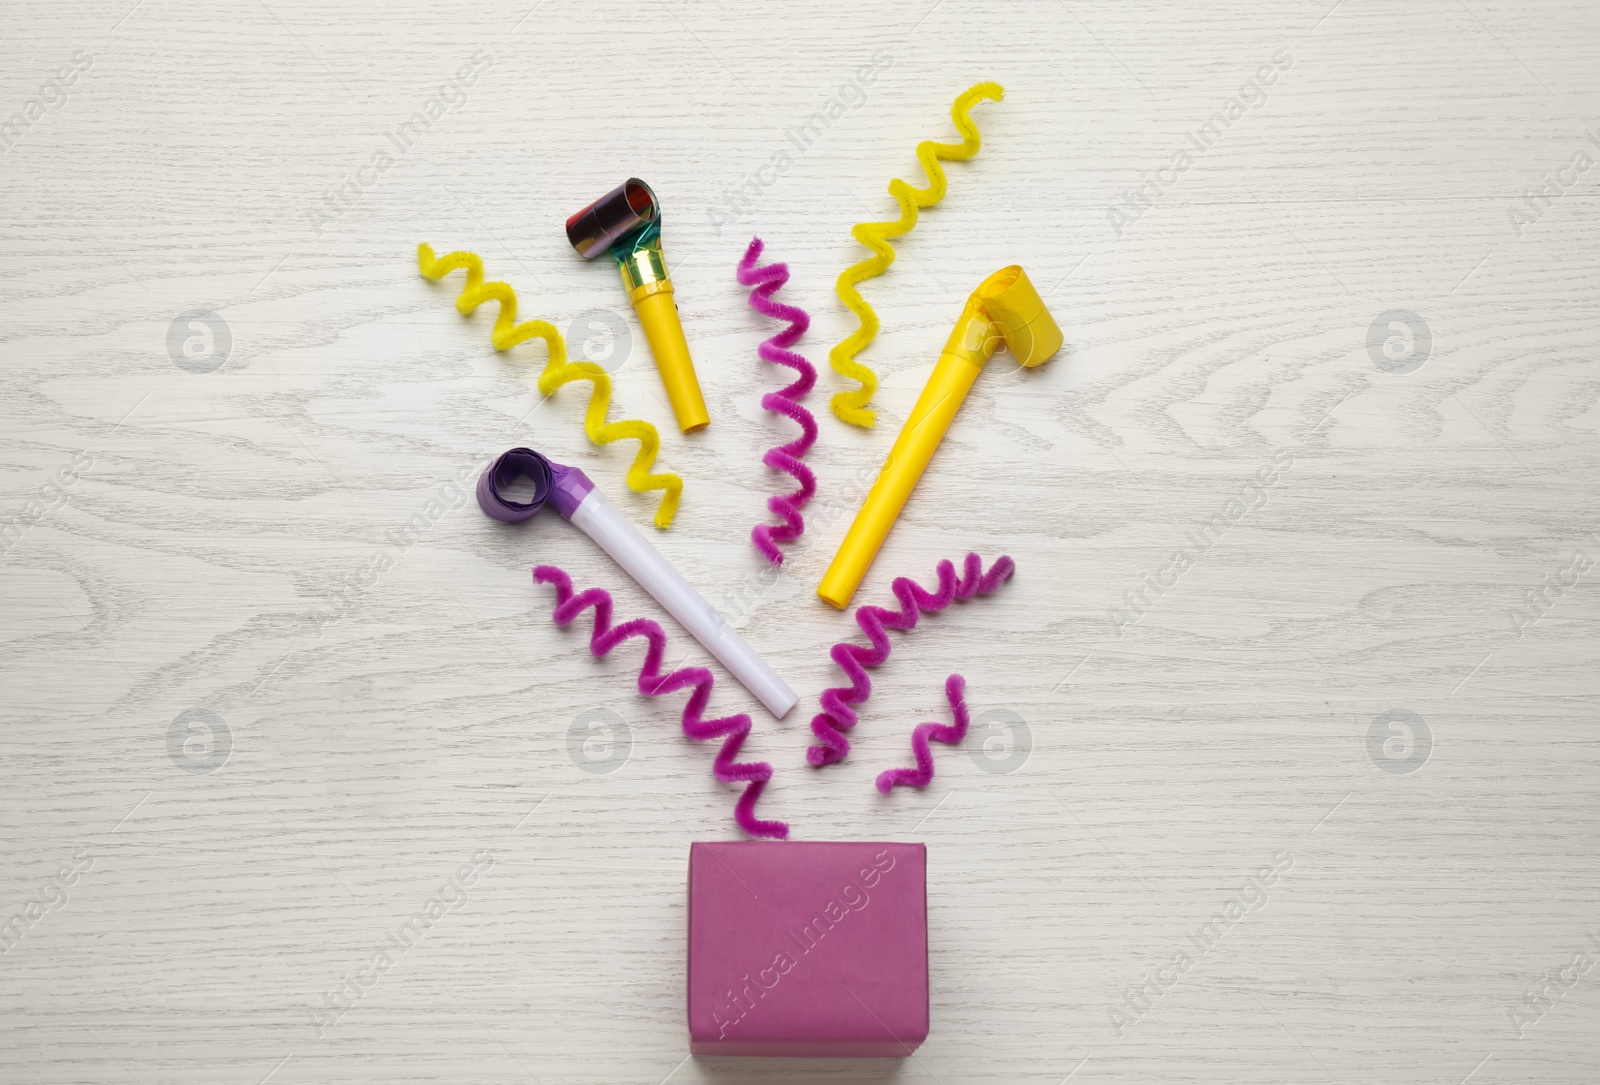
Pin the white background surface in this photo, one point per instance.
(223, 509)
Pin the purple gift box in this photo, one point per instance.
(808, 949)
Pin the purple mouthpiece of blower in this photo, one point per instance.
(564, 486)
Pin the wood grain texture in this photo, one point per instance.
(214, 515)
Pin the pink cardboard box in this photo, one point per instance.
(808, 949)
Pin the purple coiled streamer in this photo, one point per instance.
(733, 730)
(949, 733)
(837, 716)
(786, 401)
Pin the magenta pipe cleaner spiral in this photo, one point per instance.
(785, 401)
(837, 716)
(950, 734)
(733, 730)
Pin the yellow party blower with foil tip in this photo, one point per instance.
(627, 223)
(1004, 310)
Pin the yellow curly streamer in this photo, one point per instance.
(851, 404)
(558, 371)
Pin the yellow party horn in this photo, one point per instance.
(1004, 310)
(627, 223)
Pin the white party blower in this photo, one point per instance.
(577, 500)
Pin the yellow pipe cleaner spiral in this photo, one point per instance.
(851, 404)
(558, 371)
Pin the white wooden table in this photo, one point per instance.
(176, 524)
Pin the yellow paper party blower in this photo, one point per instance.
(1004, 310)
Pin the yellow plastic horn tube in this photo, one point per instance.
(1005, 309)
(644, 275)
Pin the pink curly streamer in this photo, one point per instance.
(733, 730)
(837, 716)
(950, 734)
(785, 401)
